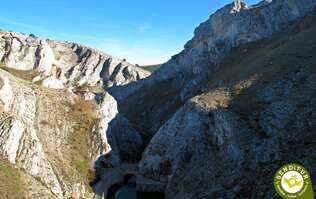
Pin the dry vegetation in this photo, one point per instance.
(1, 103)
(86, 88)
(262, 61)
(84, 115)
(1, 107)
(11, 183)
(151, 68)
(74, 118)
(27, 75)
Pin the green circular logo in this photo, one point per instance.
(293, 181)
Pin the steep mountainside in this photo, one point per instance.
(55, 115)
(216, 121)
(257, 114)
(46, 133)
(53, 138)
(58, 64)
(150, 102)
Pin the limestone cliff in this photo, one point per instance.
(64, 64)
(56, 135)
(55, 117)
(53, 136)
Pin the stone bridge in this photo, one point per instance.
(116, 176)
(113, 176)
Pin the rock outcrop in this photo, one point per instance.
(56, 118)
(150, 102)
(54, 136)
(63, 64)
(19, 140)
(125, 140)
(229, 141)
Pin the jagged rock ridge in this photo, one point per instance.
(64, 64)
(56, 119)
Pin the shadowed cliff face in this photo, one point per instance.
(257, 114)
(150, 102)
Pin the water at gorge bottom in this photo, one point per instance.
(129, 192)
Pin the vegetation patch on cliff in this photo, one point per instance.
(27, 75)
(85, 117)
(67, 120)
(87, 88)
(262, 61)
(151, 68)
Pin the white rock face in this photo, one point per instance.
(108, 110)
(6, 94)
(12, 143)
(19, 141)
(52, 82)
(63, 64)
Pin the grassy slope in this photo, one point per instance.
(264, 60)
(80, 143)
(151, 68)
(80, 117)
(27, 75)
(11, 183)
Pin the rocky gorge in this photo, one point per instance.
(54, 112)
(215, 121)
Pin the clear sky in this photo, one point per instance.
(142, 31)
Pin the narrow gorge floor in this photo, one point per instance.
(128, 191)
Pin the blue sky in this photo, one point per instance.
(142, 31)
